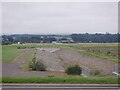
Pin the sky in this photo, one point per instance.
(59, 17)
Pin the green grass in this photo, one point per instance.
(63, 80)
(100, 55)
(25, 66)
(9, 53)
(80, 48)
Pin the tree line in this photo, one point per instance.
(96, 38)
(83, 38)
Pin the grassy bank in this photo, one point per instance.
(63, 80)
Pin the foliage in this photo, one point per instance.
(74, 70)
(28, 38)
(23, 47)
(36, 65)
(96, 38)
(96, 73)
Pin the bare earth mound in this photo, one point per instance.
(73, 57)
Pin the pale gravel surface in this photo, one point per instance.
(72, 57)
(50, 59)
(13, 69)
(56, 60)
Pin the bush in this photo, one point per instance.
(96, 73)
(32, 47)
(36, 65)
(18, 47)
(74, 70)
(21, 47)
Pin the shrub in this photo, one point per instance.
(96, 73)
(74, 70)
(21, 47)
(32, 47)
(37, 66)
(18, 47)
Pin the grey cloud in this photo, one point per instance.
(60, 17)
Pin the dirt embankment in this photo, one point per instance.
(60, 59)
(56, 60)
(73, 57)
(50, 59)
(14, 69)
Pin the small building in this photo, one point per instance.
(54, 42)
(18, 43)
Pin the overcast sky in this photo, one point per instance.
(58, 17)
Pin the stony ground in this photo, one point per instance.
(14, 68)
(72, 57)
(50, 59)
(56, 60)
(60, 59)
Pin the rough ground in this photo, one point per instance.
(14, 68)
(72, 57)
(56, 60)
(50, 59)
(59, 59)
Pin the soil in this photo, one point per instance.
(50, 59)
(14, 68)
(56, 61)
(70, 57)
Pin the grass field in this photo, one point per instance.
(10, 51)
(99, 50)
(56, 80)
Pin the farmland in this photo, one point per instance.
(57, 57)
